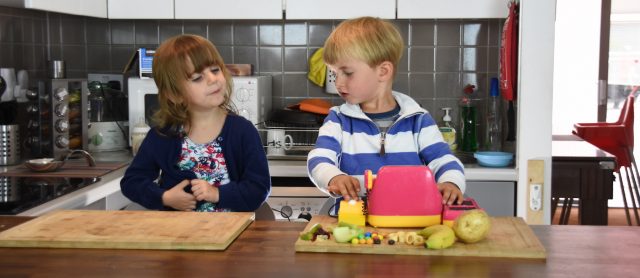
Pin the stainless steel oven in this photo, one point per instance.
(297, 199)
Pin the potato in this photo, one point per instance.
(472, 226)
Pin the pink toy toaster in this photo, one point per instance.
(451, 212)
(403, 196)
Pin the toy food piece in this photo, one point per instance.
(472, 226)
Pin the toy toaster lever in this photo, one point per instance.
(368, 179)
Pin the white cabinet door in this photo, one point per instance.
(225, 9)
(140, 9)
(452, 8)
(95, 8)
(339, 9)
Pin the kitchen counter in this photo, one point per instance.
(109, 185)
(266, 249)
(473, 172)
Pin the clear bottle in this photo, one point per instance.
(493, 134)
(138, 134)
(447, 130)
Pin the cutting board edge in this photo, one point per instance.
(7, 241)
(529, 256)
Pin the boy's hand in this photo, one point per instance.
(344, 185)
(178, 199)
(203, 191)
(450, 193)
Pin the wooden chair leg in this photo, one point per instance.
(554, 207)
(565, 213)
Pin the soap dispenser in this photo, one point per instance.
(447, 130)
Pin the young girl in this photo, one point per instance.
(208, 158)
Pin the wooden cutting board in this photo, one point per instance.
(71, 169)
(510, 237)
(129, 230)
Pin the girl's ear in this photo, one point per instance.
(385, 71)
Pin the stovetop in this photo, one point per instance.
(18, 194)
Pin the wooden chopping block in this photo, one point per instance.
(129, 230)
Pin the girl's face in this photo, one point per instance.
(206, 89)
(357, 82)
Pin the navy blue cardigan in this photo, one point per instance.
(250, 182)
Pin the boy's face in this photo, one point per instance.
(357, 82)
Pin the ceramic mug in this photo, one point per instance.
(277, 142)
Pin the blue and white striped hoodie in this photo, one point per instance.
(350, 143)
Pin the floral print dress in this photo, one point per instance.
(207, 162)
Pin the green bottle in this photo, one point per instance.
(468, 123)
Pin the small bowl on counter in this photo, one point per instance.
(493, 159)
(50, 164)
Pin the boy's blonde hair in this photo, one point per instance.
(171, 72)
(369, 39)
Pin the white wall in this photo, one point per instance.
(535, 92)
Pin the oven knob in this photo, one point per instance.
(243, 95)
(62, 142)
(60, 94)
(62, 125)
(61, 109)
(286, 211)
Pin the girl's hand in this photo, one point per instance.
(344, 185)
(178, 199)
(203, 191)
(450, 193)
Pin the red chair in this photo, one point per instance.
(617, 139)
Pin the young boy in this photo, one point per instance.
(376, 126)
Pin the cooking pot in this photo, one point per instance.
(50, 164)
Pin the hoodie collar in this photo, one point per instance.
(408, 106)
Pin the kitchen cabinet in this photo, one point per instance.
(452, 9)
(94, 8)
(140, 9)
(339, 9)
(497, 198)
(222, 9)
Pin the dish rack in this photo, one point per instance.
(304, 138)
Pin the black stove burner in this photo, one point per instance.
(18, 194)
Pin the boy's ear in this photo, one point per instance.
(385, 71)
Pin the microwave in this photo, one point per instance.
(251, 97)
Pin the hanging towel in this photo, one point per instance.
(317, 68)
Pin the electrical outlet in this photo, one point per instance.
(535, 196)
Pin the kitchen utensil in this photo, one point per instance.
(509, 66)
(403, 196)
(9, 76)
(510, 237)
(296, 117)
(50, 164)
(58, 69)
(9, 144)
(277, 142)
(493, 159)
(313, 105)
(176, 230)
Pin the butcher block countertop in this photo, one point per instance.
(266, 249)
